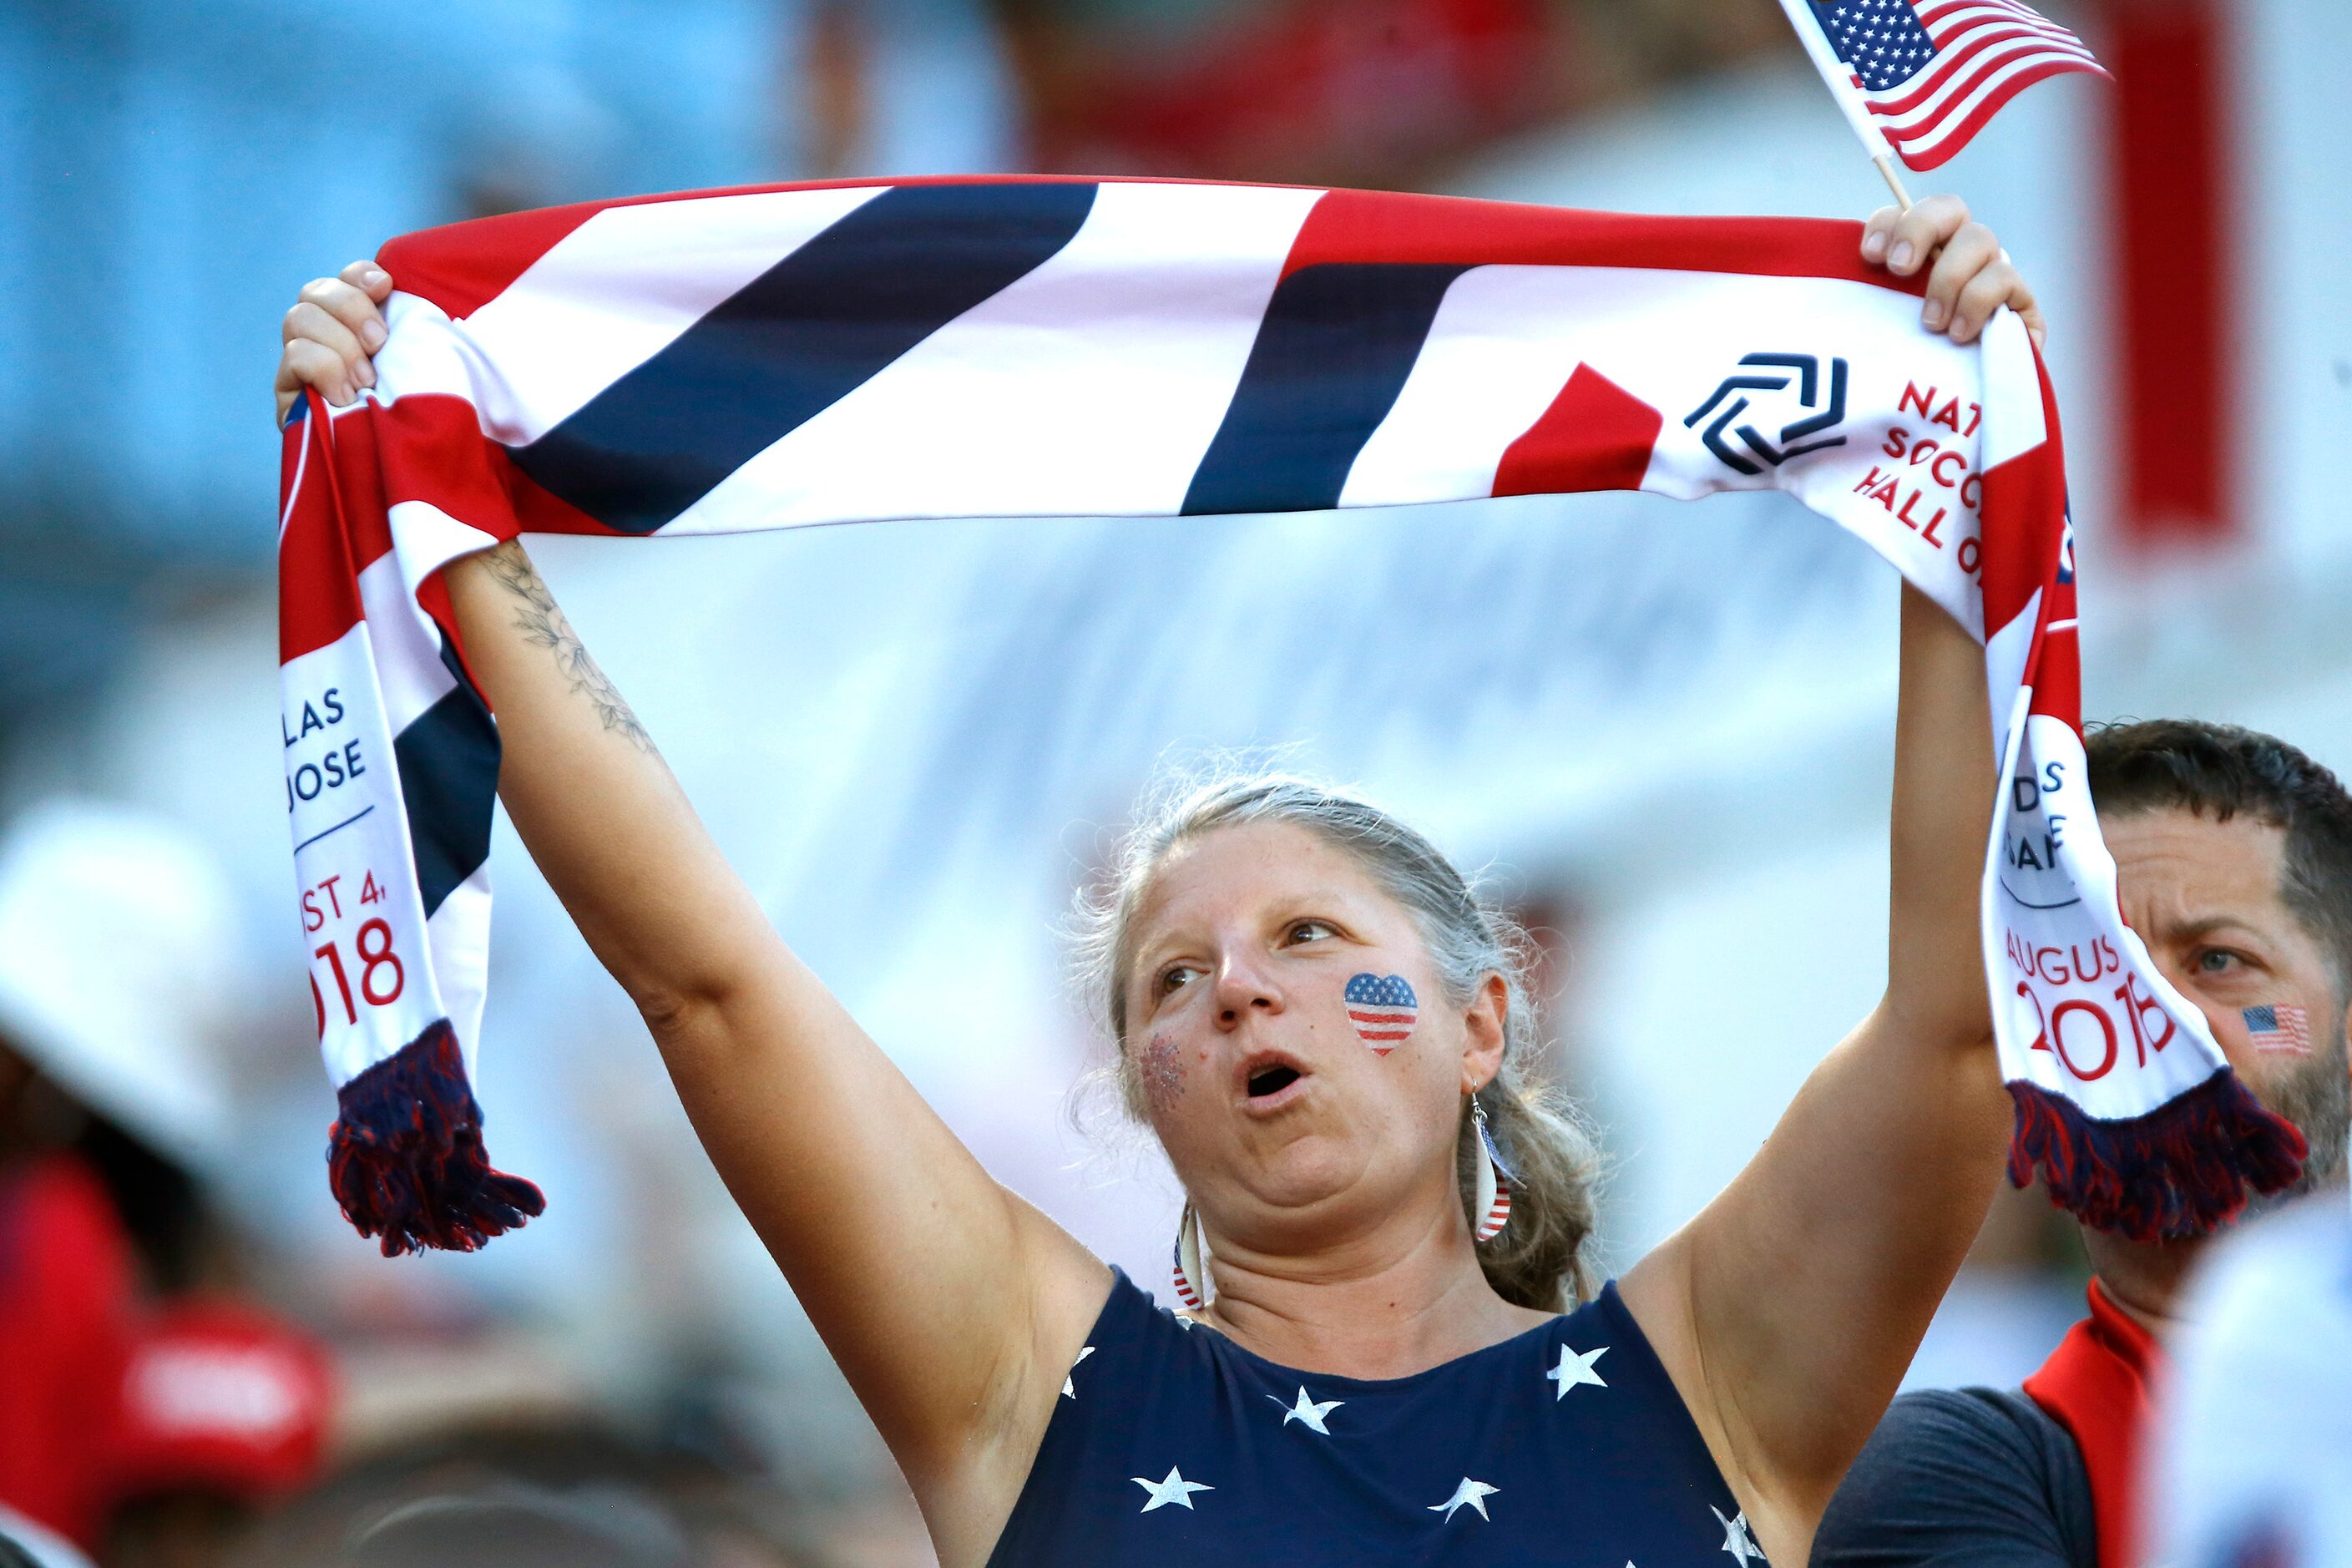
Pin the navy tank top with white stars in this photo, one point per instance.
(1172, 1445)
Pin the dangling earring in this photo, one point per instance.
(1195, 1288)
(1493, 1205)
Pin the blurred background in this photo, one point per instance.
(1665, 730)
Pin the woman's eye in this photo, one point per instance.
(1309, 930)
(2213, 961)
(1175, 975)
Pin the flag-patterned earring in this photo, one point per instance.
(1493, 1205)
(1193, 1286)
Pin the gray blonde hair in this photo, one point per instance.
(1540, 1259)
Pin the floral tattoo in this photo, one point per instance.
(542, 622)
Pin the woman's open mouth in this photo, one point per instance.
(1269, 1080)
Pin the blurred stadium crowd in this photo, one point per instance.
(199, 1366)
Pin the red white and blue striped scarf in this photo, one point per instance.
(769, 358)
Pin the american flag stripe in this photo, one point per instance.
(1934, 146)
(1951, 13)
(1498, 1213)
(1952, 70)
(1382, 1008)
(1948, 13)
(1181, 1281)
(1989, 72)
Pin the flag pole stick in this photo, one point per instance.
(1885, 166)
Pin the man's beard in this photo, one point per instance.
(2317, 1097)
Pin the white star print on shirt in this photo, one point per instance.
(1475, 1493)
(1575, 1367)
(1069, 1391)
(1309, 1411)
(1736, 1538)
(1174, 1488)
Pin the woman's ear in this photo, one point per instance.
(1486, 1031)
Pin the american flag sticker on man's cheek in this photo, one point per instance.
(2278, 1029)
(1382, 1008)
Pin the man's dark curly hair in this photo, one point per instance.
(2218, 770)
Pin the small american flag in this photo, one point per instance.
(1924, 76)
(2278, 1027)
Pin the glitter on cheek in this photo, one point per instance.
(1163, 1066)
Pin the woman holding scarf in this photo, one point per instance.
(1393, 1353)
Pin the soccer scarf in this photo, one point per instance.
(772, 358)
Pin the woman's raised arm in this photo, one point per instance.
(953, 1307)
(1790, 1308)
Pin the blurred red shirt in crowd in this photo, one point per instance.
(108, 1408)
(66, 1323)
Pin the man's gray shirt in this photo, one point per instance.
(1970, 1478)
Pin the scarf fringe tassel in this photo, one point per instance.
(405, 1156)
(2181, 1170)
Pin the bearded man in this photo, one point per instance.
(2233, 862)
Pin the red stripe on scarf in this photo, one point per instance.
(319, 594)
(462, 266)
(2095, 1385)
(425, 447)
(2028, 495)
(1387, 226)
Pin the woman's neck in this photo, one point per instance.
(1393, 1302)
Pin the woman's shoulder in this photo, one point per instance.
(1135, 1344)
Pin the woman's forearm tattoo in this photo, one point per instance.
(542, 622)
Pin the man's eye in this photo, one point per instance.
(2213, 961)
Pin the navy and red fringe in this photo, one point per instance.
(2181, 1170)
(405, 1157)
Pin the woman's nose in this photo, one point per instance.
(1244, 988)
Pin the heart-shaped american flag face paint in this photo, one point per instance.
(1382, 1008)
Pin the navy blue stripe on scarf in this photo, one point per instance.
(448, 762)
(1336, 343)
(794, 341)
